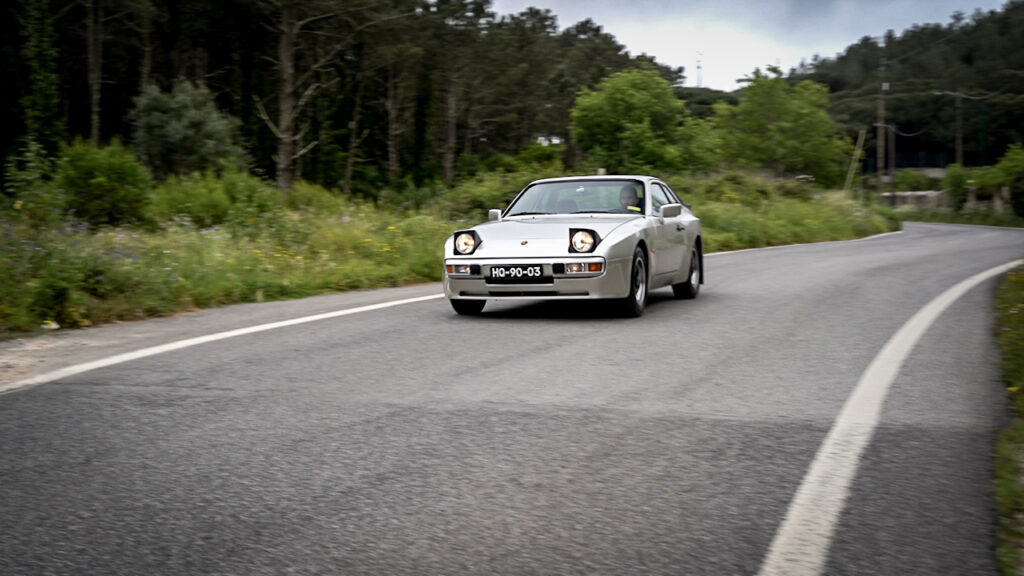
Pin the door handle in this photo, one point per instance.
(680, 227)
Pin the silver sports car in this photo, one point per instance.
(586, 237)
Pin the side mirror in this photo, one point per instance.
(494, 214)
(671, 210)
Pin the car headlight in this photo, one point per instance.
(466, 242)
(582, 240)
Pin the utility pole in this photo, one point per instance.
(880, 138)
(892, 158)
(893, 132)
(959, 128)
(960, 118)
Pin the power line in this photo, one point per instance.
(960, 117)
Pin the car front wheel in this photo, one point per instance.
(633, 305)
(468, 307)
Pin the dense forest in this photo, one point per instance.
(365, 92)
(972, 67)
(359, 95)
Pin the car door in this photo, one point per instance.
(670, 238)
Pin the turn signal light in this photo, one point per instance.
(582, 267)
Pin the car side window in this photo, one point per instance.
(659, 197)
(673, 198)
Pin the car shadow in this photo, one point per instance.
(571, 309)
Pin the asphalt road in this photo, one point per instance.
(534, 439)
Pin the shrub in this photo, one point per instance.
(467, 166)
(56, 291)
(44, 272)
(800, 190)
(732, 187)
(103, 185)
(1012, 163)
(183, 131)
(419, 239)
(471, 199)
(249, 192)
(541, 155)
(955, 185)
(912, 180)
(501, 163)
(199, 198)
(306, 196)
(406, 196)
(1011, 166)
(36, 199)
(210, 199)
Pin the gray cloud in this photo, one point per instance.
(761, 31)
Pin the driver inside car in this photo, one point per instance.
(629, 198)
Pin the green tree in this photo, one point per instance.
(700, 145)
(784, 128)
(42, 103)
(183, 131)
(1011, 168)
(980, 56)
(629, 122)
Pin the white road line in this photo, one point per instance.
(154, 350)
(800, 547)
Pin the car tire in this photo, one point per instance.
(468, 307)
(688, 290)
(632, 306)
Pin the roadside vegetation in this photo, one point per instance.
(212, 239)
(93, 234)
(986, 195)
(1009, 479)
(101, 233)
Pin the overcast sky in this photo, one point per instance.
(732, 37)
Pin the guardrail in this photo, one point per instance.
(917, 198)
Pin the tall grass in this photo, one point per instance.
(76, 276)
(742, 211)
(965, 216)
(1010, 446)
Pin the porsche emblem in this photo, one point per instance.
(523, 243)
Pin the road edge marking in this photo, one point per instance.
(189, 342)
(801, 544)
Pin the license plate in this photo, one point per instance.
(532, 274)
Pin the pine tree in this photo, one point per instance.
(42, 103)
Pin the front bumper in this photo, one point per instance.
(611, 282)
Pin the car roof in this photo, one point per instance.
(597, 177)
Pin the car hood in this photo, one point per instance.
(544, 236)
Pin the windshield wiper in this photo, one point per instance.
(592, 212)
(529, 213)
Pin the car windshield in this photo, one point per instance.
(580, 197)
